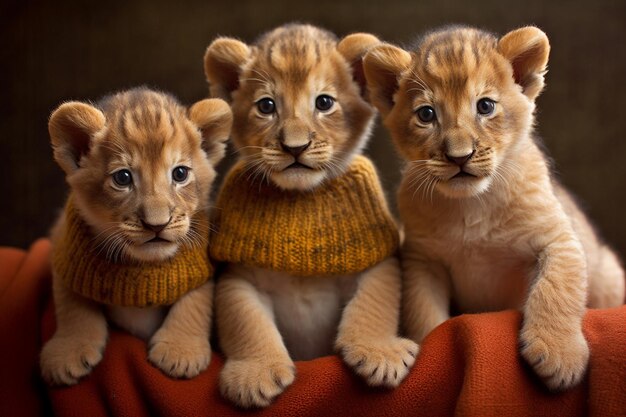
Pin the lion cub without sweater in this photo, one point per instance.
(487, 226)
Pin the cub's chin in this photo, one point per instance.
(152, 251)
(298, 178)
(464, 186)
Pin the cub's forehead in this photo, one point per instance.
(294, 53)
(457, 56)
(147, 124)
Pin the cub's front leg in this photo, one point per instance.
(426, 297)
(258, 367)
(181, 347)
(368, 333)
(79, 341)
(551, 337)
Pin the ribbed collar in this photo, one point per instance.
(77, 262)
(342, 226)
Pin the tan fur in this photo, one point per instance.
(508, 236)
(293, 65)
(267, 319)
(148, 133)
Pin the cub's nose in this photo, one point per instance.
(296, 151)
(156, 228)
(460, 160)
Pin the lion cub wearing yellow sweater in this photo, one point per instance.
(132, 240)
(301, 219)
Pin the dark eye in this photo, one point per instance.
(266, 105)
(123, 178)
(485, 106)
(180, 174)
(324, 102)
(426, 114)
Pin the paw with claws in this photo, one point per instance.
(381, 363)
(560, 359)
(255, 382)
(179, 356)
(66, 359)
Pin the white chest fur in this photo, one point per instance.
(143, 322)
(307, 310)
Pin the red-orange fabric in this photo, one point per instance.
(24, 291)
(469, 366)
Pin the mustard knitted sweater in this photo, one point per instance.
(78, 263)
(342, 226)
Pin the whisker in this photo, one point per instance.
(432, 188)
(105, 244)
(420, 179)
(264, 75)
(254, 79)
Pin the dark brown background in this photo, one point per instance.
(52, 51)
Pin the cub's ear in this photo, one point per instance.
(527, 50)
(353, 48)
(71, 127)
(214, 119)
(223, 62)
(383, 66)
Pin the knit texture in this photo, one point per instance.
(78, 263)
(341, 227)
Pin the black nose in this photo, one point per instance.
(156, 228)
(460, 160)
(296, 151)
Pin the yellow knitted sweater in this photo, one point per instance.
(342, 226)
(77, 262)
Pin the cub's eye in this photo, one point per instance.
(426, 114)
(324, 102)
(180, 174)
(123, 178)
(266, 105)
(485, 106)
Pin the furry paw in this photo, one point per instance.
(381, 363)
(254, 382)
(64, 360)
(179, 356)
(559, 359)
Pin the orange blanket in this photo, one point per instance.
(469, 366)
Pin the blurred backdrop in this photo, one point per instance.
(56, 51)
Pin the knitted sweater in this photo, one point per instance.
(342, 226)
(79, 264)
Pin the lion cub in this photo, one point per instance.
(487, 227)
(132, 241)
(301, 220)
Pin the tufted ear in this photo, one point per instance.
(223, 62)
(353, 48)
(71, 127)
(383, 66)
(527, 50)
(214, 119)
